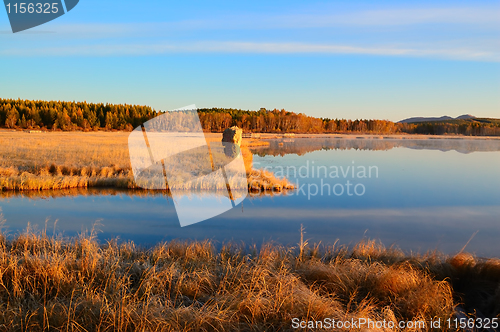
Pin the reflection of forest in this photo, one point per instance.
(302, 146)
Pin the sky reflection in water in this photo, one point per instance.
(428, 195)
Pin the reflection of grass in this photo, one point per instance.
(44, 161)
(44, 194)
(49, 283)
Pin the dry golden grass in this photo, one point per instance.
(63, 160)
(69, 151)
(50, 283)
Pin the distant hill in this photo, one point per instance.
(443, 118)
(466, 125)
(465, 117)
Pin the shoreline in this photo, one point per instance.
(267, 136)
(264, 136)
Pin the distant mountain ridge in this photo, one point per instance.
(443, 118)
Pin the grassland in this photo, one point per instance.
(48, 283)
(63, 160)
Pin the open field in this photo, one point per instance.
(62, 160)
(56, 284)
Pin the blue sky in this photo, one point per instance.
(387, 60)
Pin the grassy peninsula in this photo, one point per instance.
(64, 160)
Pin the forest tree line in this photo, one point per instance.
(69, 116)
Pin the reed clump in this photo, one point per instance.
(262, 181)
(69, 284)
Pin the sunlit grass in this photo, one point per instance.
(53, 161)
(70, 284)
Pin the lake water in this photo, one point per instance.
(417, 194)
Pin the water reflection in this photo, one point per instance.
(428, 195)
(301, 146)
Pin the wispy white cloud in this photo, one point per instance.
(487, 17)
(475, 16)
(207, 36)
(472, 54)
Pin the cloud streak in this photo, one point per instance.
(403, 17)
(238, 47)
(471, 35)
(480, 17)
(464, 17)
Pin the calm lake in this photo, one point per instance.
(417, 194)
